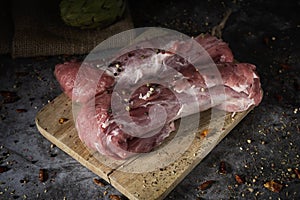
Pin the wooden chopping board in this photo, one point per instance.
(147, 185)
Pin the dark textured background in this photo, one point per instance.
(263, 147)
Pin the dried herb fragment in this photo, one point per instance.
(273, 186)
(206, 185)
(98, 182)
(114, 197)
(43, 176)
(63, 120)
(239, 179)
(222, 168)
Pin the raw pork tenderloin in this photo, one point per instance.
(181, 91)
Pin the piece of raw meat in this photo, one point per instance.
(216, 48)
(89, 82)
(119, 122)
(98, 129)
(66, 73)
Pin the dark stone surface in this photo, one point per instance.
(263, 147)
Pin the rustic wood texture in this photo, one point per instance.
(147, 185)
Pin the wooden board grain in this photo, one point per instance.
(146, 185)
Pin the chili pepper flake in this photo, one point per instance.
(21, 110)
(239, 179)
(43, 175)
(279, 97)
(206, 185)
(285, 66)
(98, 182)
(273, 186)
(222, 168)
(3, 169)
(266, 40)
(114, 197)
(9, 97)
(204, 133)
(63, 120)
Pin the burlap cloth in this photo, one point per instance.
(34, 28)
